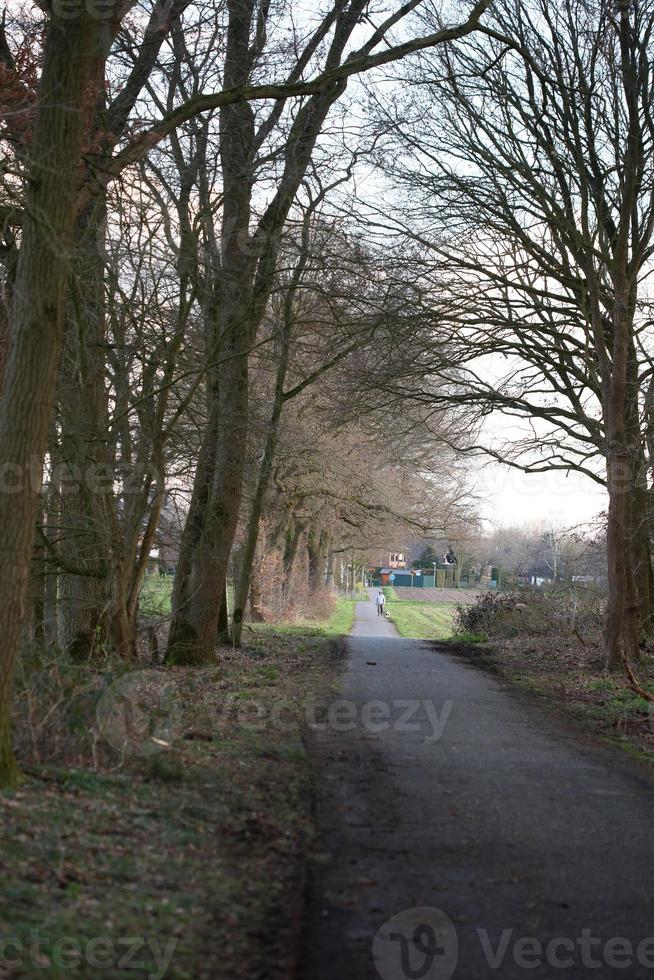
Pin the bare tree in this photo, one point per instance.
(82, 140)
(245, 276)
(542, 176)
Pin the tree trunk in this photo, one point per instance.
(641, 542)
(120, 618)
(317, 546)
(641, 547)
(202, 576)
(181, 630)
(622, 628)
(256, 597)
(248, 265)
(39, 569)
(270, 448)
(36, 322)
(223, 620)
(294, 536)
(51, 523)
(87, 496)
(329, 576)
(621, 638)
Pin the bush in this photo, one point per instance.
(560, 609)
(321, 604)
(55, 705)
(55, 700)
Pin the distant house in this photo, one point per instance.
(382, 563)
(388, 559)
(397, 560)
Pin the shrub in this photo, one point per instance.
(54, 708)
(321, 604)
(560, 609)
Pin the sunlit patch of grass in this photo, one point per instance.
(422, 620)
(469, 637)
(155, 595)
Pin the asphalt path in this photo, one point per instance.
(466, 832)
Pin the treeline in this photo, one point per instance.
(527, 155)
(172, 285)
(205, 299)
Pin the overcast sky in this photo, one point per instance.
(511, 498)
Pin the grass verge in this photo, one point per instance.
(421, 620)
(156, 592)
(338, 624)
(183, 857)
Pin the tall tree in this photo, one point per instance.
(80, 139)
(73, 48)
(543, 238)
(248, 257)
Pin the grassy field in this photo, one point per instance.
(420, 620)
(155, 595)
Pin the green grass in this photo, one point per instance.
(422, 620)
(338, 624)
(419, 620)
(466, 637)
(155, 595)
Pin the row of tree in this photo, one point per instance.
(524, 157)
(201, 298)
(164, 175)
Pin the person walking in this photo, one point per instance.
(381, 601)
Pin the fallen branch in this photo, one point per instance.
(634, 683)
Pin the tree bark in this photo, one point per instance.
(202, 576)
(248, 265)
(270, 448)
(87, 494)
(256, 597)
(641, 546)
(36, 322)
(182, 642)
(621, 637)
(317, 546)
(294, 536)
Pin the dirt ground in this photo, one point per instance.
(464, 596)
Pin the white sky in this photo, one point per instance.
(510, 497)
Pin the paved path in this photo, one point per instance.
(368, 622)
(536, 846)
